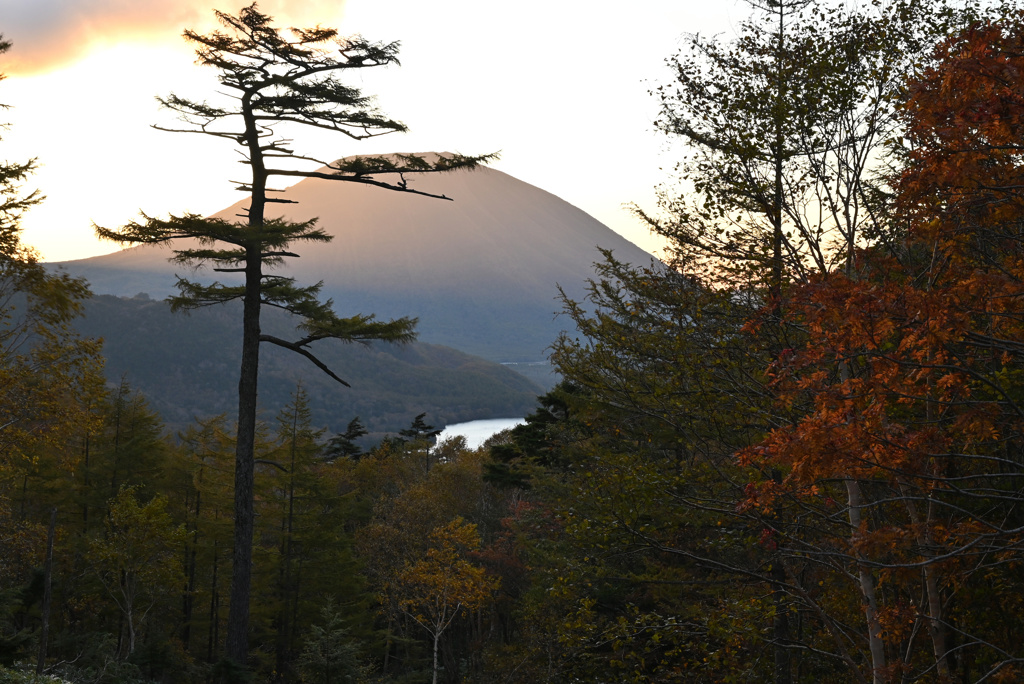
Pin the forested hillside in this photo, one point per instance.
(186, 366)
(795, 455)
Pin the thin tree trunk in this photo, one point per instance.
(437, 638)
(188, 604)
(85, 481)
(387, 646)
(131, 631)
(780, 626)
(286, 617)
(213, 635)
(780, 623)
(936, 628)
(118, 407)
(775, 289)
(867, 587)
(935, 625)
(44, 632)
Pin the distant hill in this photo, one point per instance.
(187, 366)
(480, 272)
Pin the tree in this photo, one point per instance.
(329, 656)
(138, 557)
(783, 128)
(277, 77)
(202, 473)
(410, 503)
(419, 430)
(13, 203)
(48, 374)
(343, 444)
(914, 380)
(444, 584)
(44, 364)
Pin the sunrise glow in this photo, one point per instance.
(559, 88)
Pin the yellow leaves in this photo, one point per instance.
(435, 589)
(138, 556)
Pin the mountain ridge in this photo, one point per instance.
(481, 272)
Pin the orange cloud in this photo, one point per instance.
(48, 34)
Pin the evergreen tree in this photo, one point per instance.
(330, 656)
(419, 430)
(291, 506)
(202, 465)
(277, 77)
(343, 444)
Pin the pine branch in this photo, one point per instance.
(298, 349)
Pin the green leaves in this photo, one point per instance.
(268, 244)
(267, 238)
(138, 558)
(286, 75)
(361, 328)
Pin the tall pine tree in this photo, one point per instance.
(277, 77)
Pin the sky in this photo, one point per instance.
(559, 87)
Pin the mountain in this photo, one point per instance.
(187, 366)
(480, 272)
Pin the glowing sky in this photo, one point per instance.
(559, 86)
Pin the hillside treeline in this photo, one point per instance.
(141, 549)
(794, 454)
(188, 365)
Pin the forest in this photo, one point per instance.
(791, 452)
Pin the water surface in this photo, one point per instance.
(476, 432)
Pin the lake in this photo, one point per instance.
(476, 432)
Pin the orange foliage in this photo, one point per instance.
(910, 381)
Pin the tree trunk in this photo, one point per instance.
(936, 627)
(44, 632)
(237, 643)
(867, 588)
(775, 288)
(85, 481)
(437, 639)
(213, 635)
(237, 646)
(131, 631)
(387, 647)
(191, 551)
(780, 626)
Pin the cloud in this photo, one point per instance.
(49, 34)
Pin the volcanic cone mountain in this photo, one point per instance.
(480, 272)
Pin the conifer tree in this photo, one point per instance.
(344, 444)
(277, 77)
(202, 469)
(420, 430)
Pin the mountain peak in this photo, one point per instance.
(480, 272)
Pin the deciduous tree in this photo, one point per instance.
(445, 584)
(44, 364)
(914, 377)
(138, 557)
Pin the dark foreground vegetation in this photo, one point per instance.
(795, 455)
